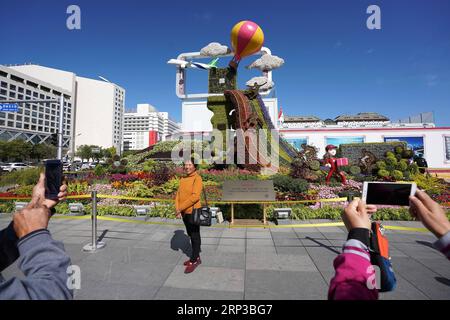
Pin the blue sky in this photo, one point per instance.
(334, 64)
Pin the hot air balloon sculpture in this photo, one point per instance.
(247, 38)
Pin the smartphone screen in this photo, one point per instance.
(53, 178)
(396, 194)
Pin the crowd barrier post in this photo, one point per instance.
(95, 244)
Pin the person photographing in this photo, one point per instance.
(43, 260)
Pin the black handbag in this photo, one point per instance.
(202, 216)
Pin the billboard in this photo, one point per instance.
(343, 140)
(414, 143)
(297, 142)
(152, 137)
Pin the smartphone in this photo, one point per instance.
(388, 193)
(53, 178)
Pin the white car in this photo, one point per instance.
(85, 166)
(15, 166)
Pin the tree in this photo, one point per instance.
(43, 151)
(15, 150)
(84, 152)
(110, 152)
(96, 155)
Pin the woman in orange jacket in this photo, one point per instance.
(187, 199)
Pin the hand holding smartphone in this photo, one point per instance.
(53, 178)
(388, 193)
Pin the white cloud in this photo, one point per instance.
(267, 62)
(260, 80)
(214, 49)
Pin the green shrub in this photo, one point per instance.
(301, 212)
(126, 211)
(24, 190)
(391, 161)
(390, 154)
(392, 214)
(402, 165)
(399, 150)
(383, 173)
(397, 175)
(100, 170)
(381, 164)
(407, 175)
(149, 165)
(408, 154)
(432, 185)
(163, 211)
(414, 168)
(139, 189)
(62, 208)
(354, 170)
(314, 165)
(78, 188)
(22, 177)
(170, 187)
(286, 183)
(7, 206)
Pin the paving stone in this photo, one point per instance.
(286, 285)
(279, 262)
(259, 242)
(218, 259)
(403, 291)
(207, 278)
(234, 233)
(291, 250)
(426, 280)
(168, 293)
(228, 248)
(232, 242)
(251, 234)
(288, 242)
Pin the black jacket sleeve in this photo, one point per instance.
(8, 247)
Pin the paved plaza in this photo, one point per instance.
(145, 261)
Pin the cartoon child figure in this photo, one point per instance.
(329, 160)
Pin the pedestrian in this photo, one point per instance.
(187, 199)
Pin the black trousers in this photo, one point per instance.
(193, 232)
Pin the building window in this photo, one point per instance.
(447, 147)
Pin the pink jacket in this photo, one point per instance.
(355, 276)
